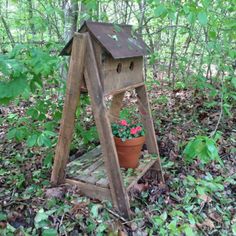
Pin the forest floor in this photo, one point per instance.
(195, 200)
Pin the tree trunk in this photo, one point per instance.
(82, 11)
(71, 9)
(8, 31)
(30, 10)
(172, 56)
(192, 55)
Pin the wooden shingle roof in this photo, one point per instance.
(117, 40)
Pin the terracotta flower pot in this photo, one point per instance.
(129, 151)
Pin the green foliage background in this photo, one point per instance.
(192, 49)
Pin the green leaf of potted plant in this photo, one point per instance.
(129, 139)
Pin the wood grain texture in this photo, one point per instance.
(95, 173)
(146, 115)
(98, 51)
(95, 89)
(116, 104)
(141, 170)
(124, 89)
(92, 190)
(75, 77)
(103, 182)
(113, 81)
(85, 159)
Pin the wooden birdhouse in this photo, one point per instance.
(106, 59)
(119, 54)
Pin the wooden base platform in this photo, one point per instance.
(89, 173)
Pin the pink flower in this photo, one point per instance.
(133, 131)
(123, 122)
(138, 128)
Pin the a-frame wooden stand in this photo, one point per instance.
(83, 64)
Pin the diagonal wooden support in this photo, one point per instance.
(95, 89)
(151, 141)
(75, 77)
(116, 105)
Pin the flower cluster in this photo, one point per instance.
(135, 130)
(127, 130)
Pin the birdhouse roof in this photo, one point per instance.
(117, 40)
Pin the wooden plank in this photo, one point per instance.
(85, 160)
(125, 89)
(94, 166)
(83, 168)
(150, 141)
(95, 89)
(83, 88)
(99, 173)
(85, 164)
(87, 179)
(91, 190)
(81, 164)
(79, 167)
(99, 52)
(91, 177)
(75, 77)
(144, 167)
(103, 183)
(113, 80)
(116, 104)
(92, 174)
(91, 154)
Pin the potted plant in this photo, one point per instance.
(129, 139)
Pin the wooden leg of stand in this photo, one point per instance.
(95, 90)
(116, 105)
(75, 77)
(151, 141)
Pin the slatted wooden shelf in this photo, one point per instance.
(90, 168)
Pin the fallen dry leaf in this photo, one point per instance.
(3, 225)
(141, 187)
(163, 188)
(215, 216)
(173, 155)
(207, 223)
(121, 233)
(133, 226)
(205, 198)
(80, 208)
(57, 192)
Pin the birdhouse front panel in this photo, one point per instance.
(118, 74)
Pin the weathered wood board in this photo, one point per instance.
(96, 172)
(74, 82)
(121, 74)
(94, 86)
(91, 190)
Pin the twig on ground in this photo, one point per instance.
(116, 214)
(203, 205)
(61, 221)
(17, 202)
